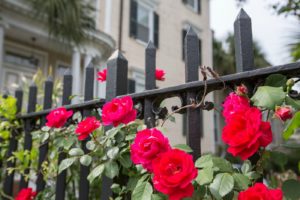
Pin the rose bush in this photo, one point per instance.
(156, 170)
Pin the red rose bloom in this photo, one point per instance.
(147, 145)
(260, 192)
(86, 126)
(159, 74)
(102, 75)
(246, 132)
(234, 103)
(283, 113)
(58, 117)
(119, 110)
(26, 194)
(173, 172)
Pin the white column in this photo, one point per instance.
(87, 60)
(76, 72)
(107, 17)
(1, 54)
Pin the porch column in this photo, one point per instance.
(76, 73)
(1, 52)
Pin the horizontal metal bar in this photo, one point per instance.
(292, 69)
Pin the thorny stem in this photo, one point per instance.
(193, 104)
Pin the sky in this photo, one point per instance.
(272, 32)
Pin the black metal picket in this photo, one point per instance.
(150, 99)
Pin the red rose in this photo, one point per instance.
(147, 145)
(119, 110)
(102, 75)
(234, 103)
(58, 117)
(86, 126)
(246, 132)
(159, 74)
(283, 113)
(173, 172)
(26, 194)
(260, 192)
(241, 90)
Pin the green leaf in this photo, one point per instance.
(279, 158)
(253, 175)
(246, 167)
(68, 143)
(241, 182)
(158, 197)
(76, 152)
(205, 176)
(221, 185)
(268, 97)
(276, 80)
(142, 191)
(291, 189)
(66, 163)
(222, 165)
(44, 137)
(292, 126)
(183, 147)
(96, 172)
(115, 188)
(113, 152)
(292, 102)
(204, 161)
(111, 169)
(45, 128)
(125, 160)
(86, 160)
(90, 145)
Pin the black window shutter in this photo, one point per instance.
(199, 7)
(183, 34)
(156, 29)
(133, 19)
(131, 86)
(200, 52)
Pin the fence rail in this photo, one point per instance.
(148, 100)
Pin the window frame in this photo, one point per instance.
(150, 22)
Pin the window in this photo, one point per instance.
(29, 62)
(184, 32)
(144, 23)
(195, 5)
(139, 79)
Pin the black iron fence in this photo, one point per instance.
(149, 100)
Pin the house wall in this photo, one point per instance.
(173, 17)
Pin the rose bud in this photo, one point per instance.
(241, 90)
(283, 113)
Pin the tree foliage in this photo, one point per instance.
(68, 20)
(224, 58)
(288, 8)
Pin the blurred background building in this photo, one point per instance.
(36, 35)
